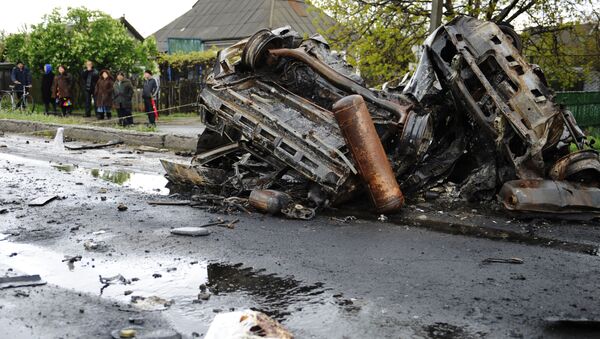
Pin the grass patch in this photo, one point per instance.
(594, 140)
(80, 120)
(40, 117)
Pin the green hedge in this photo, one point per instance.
(181, 63)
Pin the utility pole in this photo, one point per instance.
(437, 6)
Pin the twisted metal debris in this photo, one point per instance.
(474, 114)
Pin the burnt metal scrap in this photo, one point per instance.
(288, 114)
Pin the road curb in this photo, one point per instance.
(103, 134)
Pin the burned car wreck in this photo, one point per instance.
(288, 118)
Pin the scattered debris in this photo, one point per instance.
(42, 200)
(139, 332)
(94, 146)
(184, 153)
(150, 149)
(136, 321)
(169, 202)
(297, 211)
(203, 296)
(245, 324)
(122, 207)
(152, 303)
(190, 231)
(345, 220)
(21, 294)
(71, 259)
(127, 333)
(503, 261)
(97, 246)
(21, 281)
(117, 279)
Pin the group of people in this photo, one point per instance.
(102, 92)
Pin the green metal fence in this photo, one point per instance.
(584, 105)
(180, 45)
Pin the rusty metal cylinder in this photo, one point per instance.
(373, 165)
(269, 201)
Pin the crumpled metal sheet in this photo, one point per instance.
(192, 175)
(551, 197)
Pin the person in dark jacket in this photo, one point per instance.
(61, 90)
(149, 94)
(21, 79)
(122, 97)
(47, 81)
(89, 78)
(104, 95)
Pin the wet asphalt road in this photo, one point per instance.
(321, 278)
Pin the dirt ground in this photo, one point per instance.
(418, 275)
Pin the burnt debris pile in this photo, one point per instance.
(289, 115)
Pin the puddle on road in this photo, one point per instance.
(231, 285)
(143, 182)
(149, 183)
(65, 168)
(275, 293)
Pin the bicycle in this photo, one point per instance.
(9, 101)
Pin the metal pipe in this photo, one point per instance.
(373, 165)
(340, 80)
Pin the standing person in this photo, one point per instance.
(149, 94)
(61, 90)
(103, 94)
(122, 97)
(21, 79)
(47, 81)
(89, 77)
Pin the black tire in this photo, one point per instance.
(513, 35)
(6, 104)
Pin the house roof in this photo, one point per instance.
(131, 29)
(222, 20)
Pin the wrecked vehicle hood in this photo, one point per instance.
(290, 114)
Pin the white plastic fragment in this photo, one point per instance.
(246, 324)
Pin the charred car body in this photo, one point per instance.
(287, 113)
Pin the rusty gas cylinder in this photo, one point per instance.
(373, 165)
(269, 201)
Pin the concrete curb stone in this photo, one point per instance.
(104, 134)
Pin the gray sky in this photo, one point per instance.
(147, 16)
